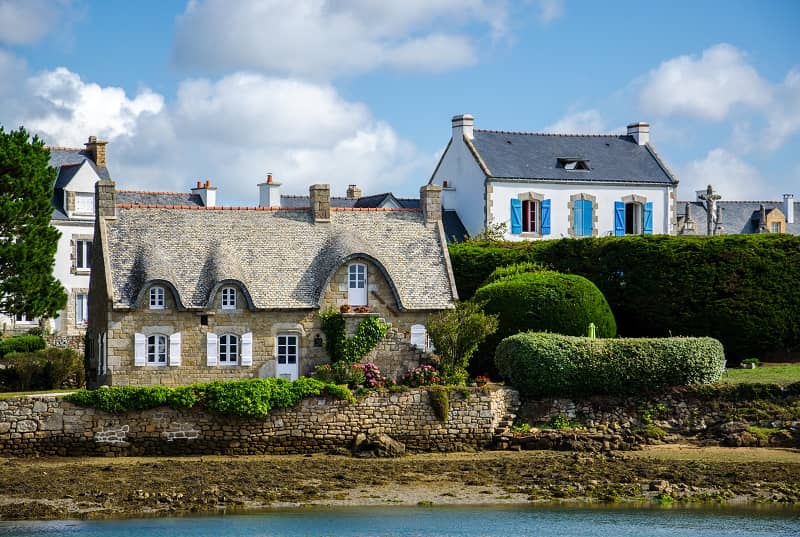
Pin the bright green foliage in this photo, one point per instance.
(350, 349)
(456, 335)
(27, 240)
(248, 398)
(740, 289)
(543, 301)
(21, 343)
(509, 271)
(541, 365)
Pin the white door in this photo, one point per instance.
(357, 285)
(287, 358)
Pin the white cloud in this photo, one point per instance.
(707, 87)
(583, 122)
(549, 10)
(326, 38)
(23, 22)
(784, 114)
(731, 176)
(232, 131)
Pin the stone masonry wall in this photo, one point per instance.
(47, 425)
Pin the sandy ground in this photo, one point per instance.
(122, 487)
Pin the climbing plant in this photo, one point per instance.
(350, 349)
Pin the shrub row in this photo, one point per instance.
(740, 289)
(247, 398)
(21, 343)
(45, 369)
(541, 364)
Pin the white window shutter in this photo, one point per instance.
(212, 349)
(247, 349)
(139, 349)
(175, 349)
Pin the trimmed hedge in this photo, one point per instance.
(21, 343)
(542, 365)
(543, 301)
(247, 398)
(44, 369)
(740, 289)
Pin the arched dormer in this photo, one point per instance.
(215, 295)
(171, 298)
(344, 268)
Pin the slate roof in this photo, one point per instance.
(302, 202)
(282, 259)
(736, 216)
(135, 197)
(67, 161)
(375, 200)
(454, 230)
(535, 156)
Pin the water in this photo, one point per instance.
(441, 521)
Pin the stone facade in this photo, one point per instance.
(47, 425)
(395, 356)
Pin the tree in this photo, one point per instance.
(456, 335)
(27, 240)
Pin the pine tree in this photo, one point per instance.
(27, 240)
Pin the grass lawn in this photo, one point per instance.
(767, 374)
(11, 395)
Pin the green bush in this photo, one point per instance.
(542, 365)
(740, 289)
(341, 348)
(508, 271)
(248, 398)
(45, 369)
(21, 343)
(543, 301)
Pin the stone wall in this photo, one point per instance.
(47, 425)
(65, 342)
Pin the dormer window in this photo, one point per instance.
(156, 298)
(229, 298)
(84, 203)
(573, 164)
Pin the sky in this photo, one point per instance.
(362, 92)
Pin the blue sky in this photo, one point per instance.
(362, 92)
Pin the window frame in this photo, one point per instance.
(82, 305)
(228, 298)
(157, 298)
(154, 358)
(636, 219)
(86, 197)
(83, 254)
(286, 345)
(531, 207)
(229, 350)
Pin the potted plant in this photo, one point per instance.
(750, 363)
(361, 309)
(344, 308)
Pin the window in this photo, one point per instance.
(633, 218)
(530, 216)
(287, 350)
(22, 318)
(357, 284)
(81, 309)
(228, 298)
(157, 350)
(83, 254)
(776, 227)
(84, 203)
(228, 349)
(157, 298)
(573, 164)
(530, 213)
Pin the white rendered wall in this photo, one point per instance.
(559, 194)
(468, 194)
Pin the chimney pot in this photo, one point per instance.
(640, 132)
(208, 183)
(269, 177)
(199, 184)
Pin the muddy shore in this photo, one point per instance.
(161, 486)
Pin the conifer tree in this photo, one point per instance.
(27, 240)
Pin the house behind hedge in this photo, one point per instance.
(184, 294)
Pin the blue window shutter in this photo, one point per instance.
(577, 219)
(545, 217)
(516, 216)
(619, 218)
(648, 218)
(587, 218)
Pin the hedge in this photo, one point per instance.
(542, 365)
(246, 398)
(21, 343)
(44, 369)
(740, 289)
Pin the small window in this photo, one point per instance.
(228, 298)
(573, 164)
(84, 203)
(81, 309)
(22, 318)
(157, 350)
(287, 349)
(228, 349)
(776, 227)
(83, 254)
(157, 298)
(531, 211)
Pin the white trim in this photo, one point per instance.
(174, 357)
(157, 297)
(139, 350)
(246, 353)
(212, 349)
(228, 303)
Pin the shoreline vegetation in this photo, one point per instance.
(669, 475)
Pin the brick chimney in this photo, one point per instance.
(788, 208)
(97, 151)
(207, 193)
(353, 192)
(430, 201)
(640, 132)
(105, 198)
(269, 193)
(320, 197)
(462, 126)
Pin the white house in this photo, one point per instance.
(556, 185)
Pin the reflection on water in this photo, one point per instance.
(442, 521)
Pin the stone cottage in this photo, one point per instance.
(182, 294)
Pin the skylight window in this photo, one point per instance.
(573, 164)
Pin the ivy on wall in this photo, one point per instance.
(350, 349)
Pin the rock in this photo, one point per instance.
(377, 445)
(661, 485)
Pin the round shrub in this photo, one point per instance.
(544, 301)
(541, 364)
(508, 271)
(21, 343)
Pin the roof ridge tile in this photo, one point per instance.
(530, 133)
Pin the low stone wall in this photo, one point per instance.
(47, 425)
(75, 343)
